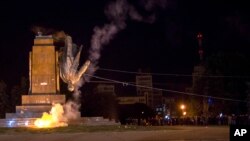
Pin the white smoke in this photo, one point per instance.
(117, 12)
(71, 107)
(71, 110)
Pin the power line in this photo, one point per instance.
(173, 74)
(165, 90)
(109, 82)
(106, 82)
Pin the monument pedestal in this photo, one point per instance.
(44, 85)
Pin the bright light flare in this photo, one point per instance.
(53, 119)
(182, 106)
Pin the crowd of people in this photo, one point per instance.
(197, 120)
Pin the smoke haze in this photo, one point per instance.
(117, 12)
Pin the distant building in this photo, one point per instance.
(105, 88)
(131, 100)
(170, 105)
(198, 71)
(145, 81)
(198, 80)
(144, 88)
(157, 98)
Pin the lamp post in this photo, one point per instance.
(183, 107)
(183, 110)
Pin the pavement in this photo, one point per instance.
(180, 133)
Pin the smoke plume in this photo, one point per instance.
(72, 106)
(117, 12)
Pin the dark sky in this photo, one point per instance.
(168, 45)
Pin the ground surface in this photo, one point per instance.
(173, 133)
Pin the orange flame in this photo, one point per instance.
(53, 119)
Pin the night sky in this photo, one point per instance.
(167, 45)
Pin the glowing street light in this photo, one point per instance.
(184, 113)
(182, 106)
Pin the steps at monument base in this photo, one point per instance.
(33, 108)
(85, 121)
(24, 115)
(17, 122)
(43, 99)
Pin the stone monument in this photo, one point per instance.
(44, 84)
(44, 90)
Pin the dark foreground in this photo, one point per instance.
(173, 133)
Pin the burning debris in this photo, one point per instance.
(53, 119)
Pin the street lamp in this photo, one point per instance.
(182, 106)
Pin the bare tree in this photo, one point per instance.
(3, 98)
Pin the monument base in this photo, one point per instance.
(33, 107)
(82, 121)
(44, 84)
(17, 122)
